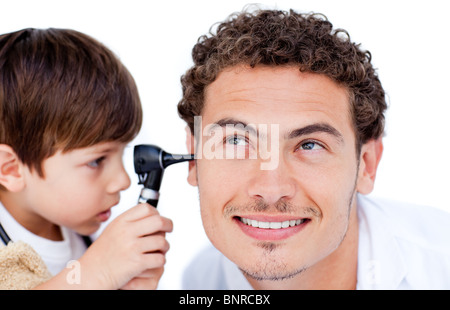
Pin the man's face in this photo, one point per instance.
(274, 221)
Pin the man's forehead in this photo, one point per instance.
(273, 94)
(273, 86)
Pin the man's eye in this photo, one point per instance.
(96, 163)
(236, 140)
(309, 146)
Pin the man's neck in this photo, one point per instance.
(336, 271)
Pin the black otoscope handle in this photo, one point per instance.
(153, 202)
(150, 192)
(149, 196)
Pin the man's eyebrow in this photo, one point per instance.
(235, 123)
(314, 128)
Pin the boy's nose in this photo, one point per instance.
(119, 181)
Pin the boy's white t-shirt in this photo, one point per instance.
(55, 254)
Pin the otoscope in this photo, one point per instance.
(149, 163)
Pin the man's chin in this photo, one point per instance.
(271, 273)
(270, 266)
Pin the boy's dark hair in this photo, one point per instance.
(61, 90)
(308, 41)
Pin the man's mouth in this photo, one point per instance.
(272, 225)
(266, 228)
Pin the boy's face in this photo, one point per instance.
(275, 222)
(79, 188)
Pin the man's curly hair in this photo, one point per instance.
(272, 37)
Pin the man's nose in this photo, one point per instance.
(272, 184)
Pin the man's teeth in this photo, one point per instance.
(272, 225)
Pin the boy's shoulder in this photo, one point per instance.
(21, 267)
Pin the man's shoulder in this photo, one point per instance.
(408, 243)
(426, 227)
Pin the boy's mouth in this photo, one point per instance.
(104, 216)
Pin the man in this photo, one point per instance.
(286, 117)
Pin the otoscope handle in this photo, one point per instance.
(153, 202)
(149, 196)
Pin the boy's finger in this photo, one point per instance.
(151, 225)
(153, 244)
(144, 283)
(138, 212)
(154, 260)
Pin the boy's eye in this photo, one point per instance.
(95, 163)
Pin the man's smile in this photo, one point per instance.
(263, 228)
(272, 225)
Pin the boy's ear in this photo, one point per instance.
(369, 159)
(190, 144)
(11, 169)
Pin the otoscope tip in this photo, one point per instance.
(169, 159)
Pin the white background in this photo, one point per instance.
(409, 42)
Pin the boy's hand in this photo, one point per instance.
(148, 280)
(130, 253)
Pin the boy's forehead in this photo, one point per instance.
(102, 147)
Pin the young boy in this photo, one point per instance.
(68, 107)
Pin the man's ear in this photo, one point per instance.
(11, 169)
(190, 144)
(369, 159)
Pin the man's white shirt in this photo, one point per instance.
(401, 246)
